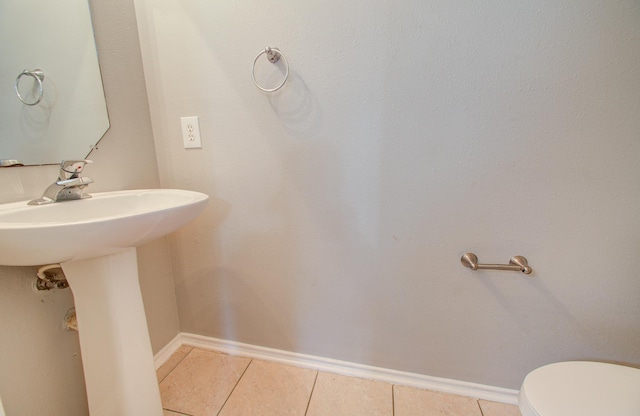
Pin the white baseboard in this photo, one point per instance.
(165, 353)
(463, 388)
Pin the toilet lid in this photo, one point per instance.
(581, 388)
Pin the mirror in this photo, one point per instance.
(55, 37)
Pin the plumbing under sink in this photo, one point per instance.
(94, 241)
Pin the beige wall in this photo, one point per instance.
(40, 366)
(409, 132)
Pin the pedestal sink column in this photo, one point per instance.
(114, 340)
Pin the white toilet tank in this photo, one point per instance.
(581, 388)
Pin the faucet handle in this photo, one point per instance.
(70, 169)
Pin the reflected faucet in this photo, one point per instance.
(69, 185)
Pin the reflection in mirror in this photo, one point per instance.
(55, 38)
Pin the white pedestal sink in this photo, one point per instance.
(94, 240)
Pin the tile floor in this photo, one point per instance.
(197, 382)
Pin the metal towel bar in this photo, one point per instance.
(517, 264)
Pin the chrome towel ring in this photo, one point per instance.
(38, 75)
(273, 55)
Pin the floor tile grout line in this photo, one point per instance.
(393, 399)
(175, 366)
(234, 387)
(171, 371)
(311, 394)
(167, 375)
(480, 407)
(178, 413)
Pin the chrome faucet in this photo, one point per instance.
(69, 185)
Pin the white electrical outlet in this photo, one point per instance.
(191, 132)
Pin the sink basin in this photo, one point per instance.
(95, 241)
(107, 223)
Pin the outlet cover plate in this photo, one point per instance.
(191, 132)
